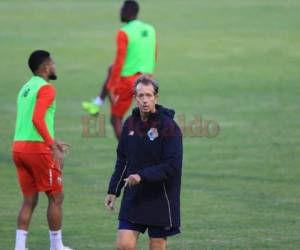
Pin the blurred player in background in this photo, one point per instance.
(37, 156)
(136, 55)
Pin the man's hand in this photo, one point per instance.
(110, 201)
(132, 180)
(59, 149)
(64, 147)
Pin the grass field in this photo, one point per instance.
(234, 61)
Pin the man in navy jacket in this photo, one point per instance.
(148, 166)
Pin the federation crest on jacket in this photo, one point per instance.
(152, 134)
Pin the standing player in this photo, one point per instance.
(37, 156)
(136, 55)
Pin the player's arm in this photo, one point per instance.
(122, 42)
(45, 99)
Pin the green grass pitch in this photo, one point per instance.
(233, 61)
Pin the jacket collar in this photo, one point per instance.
(160, 111)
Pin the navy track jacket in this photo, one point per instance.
(152, 149)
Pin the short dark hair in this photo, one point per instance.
(132, 7)
(37, 58)
(146, 80)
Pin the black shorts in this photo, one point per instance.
(153, 231)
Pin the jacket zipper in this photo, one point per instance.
(168, 202)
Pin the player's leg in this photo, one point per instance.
(55, 196)
(26, 211)
(103, 91)
(23, 220)
(54, 211)
(48, 178)
(54, 216)
(117, 123)
(30, 199)
(123, 103)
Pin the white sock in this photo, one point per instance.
(55, 240)
(98, 101)
(21, 236)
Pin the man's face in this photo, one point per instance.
(145, 98)
(51, 70)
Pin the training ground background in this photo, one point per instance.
(235, 61)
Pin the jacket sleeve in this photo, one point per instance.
(171, 158)
(116, 181)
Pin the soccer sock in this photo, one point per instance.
(55, 240)
(21, 236)
(98, 101)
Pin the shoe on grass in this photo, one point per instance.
(67, 248)
(91, 108)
